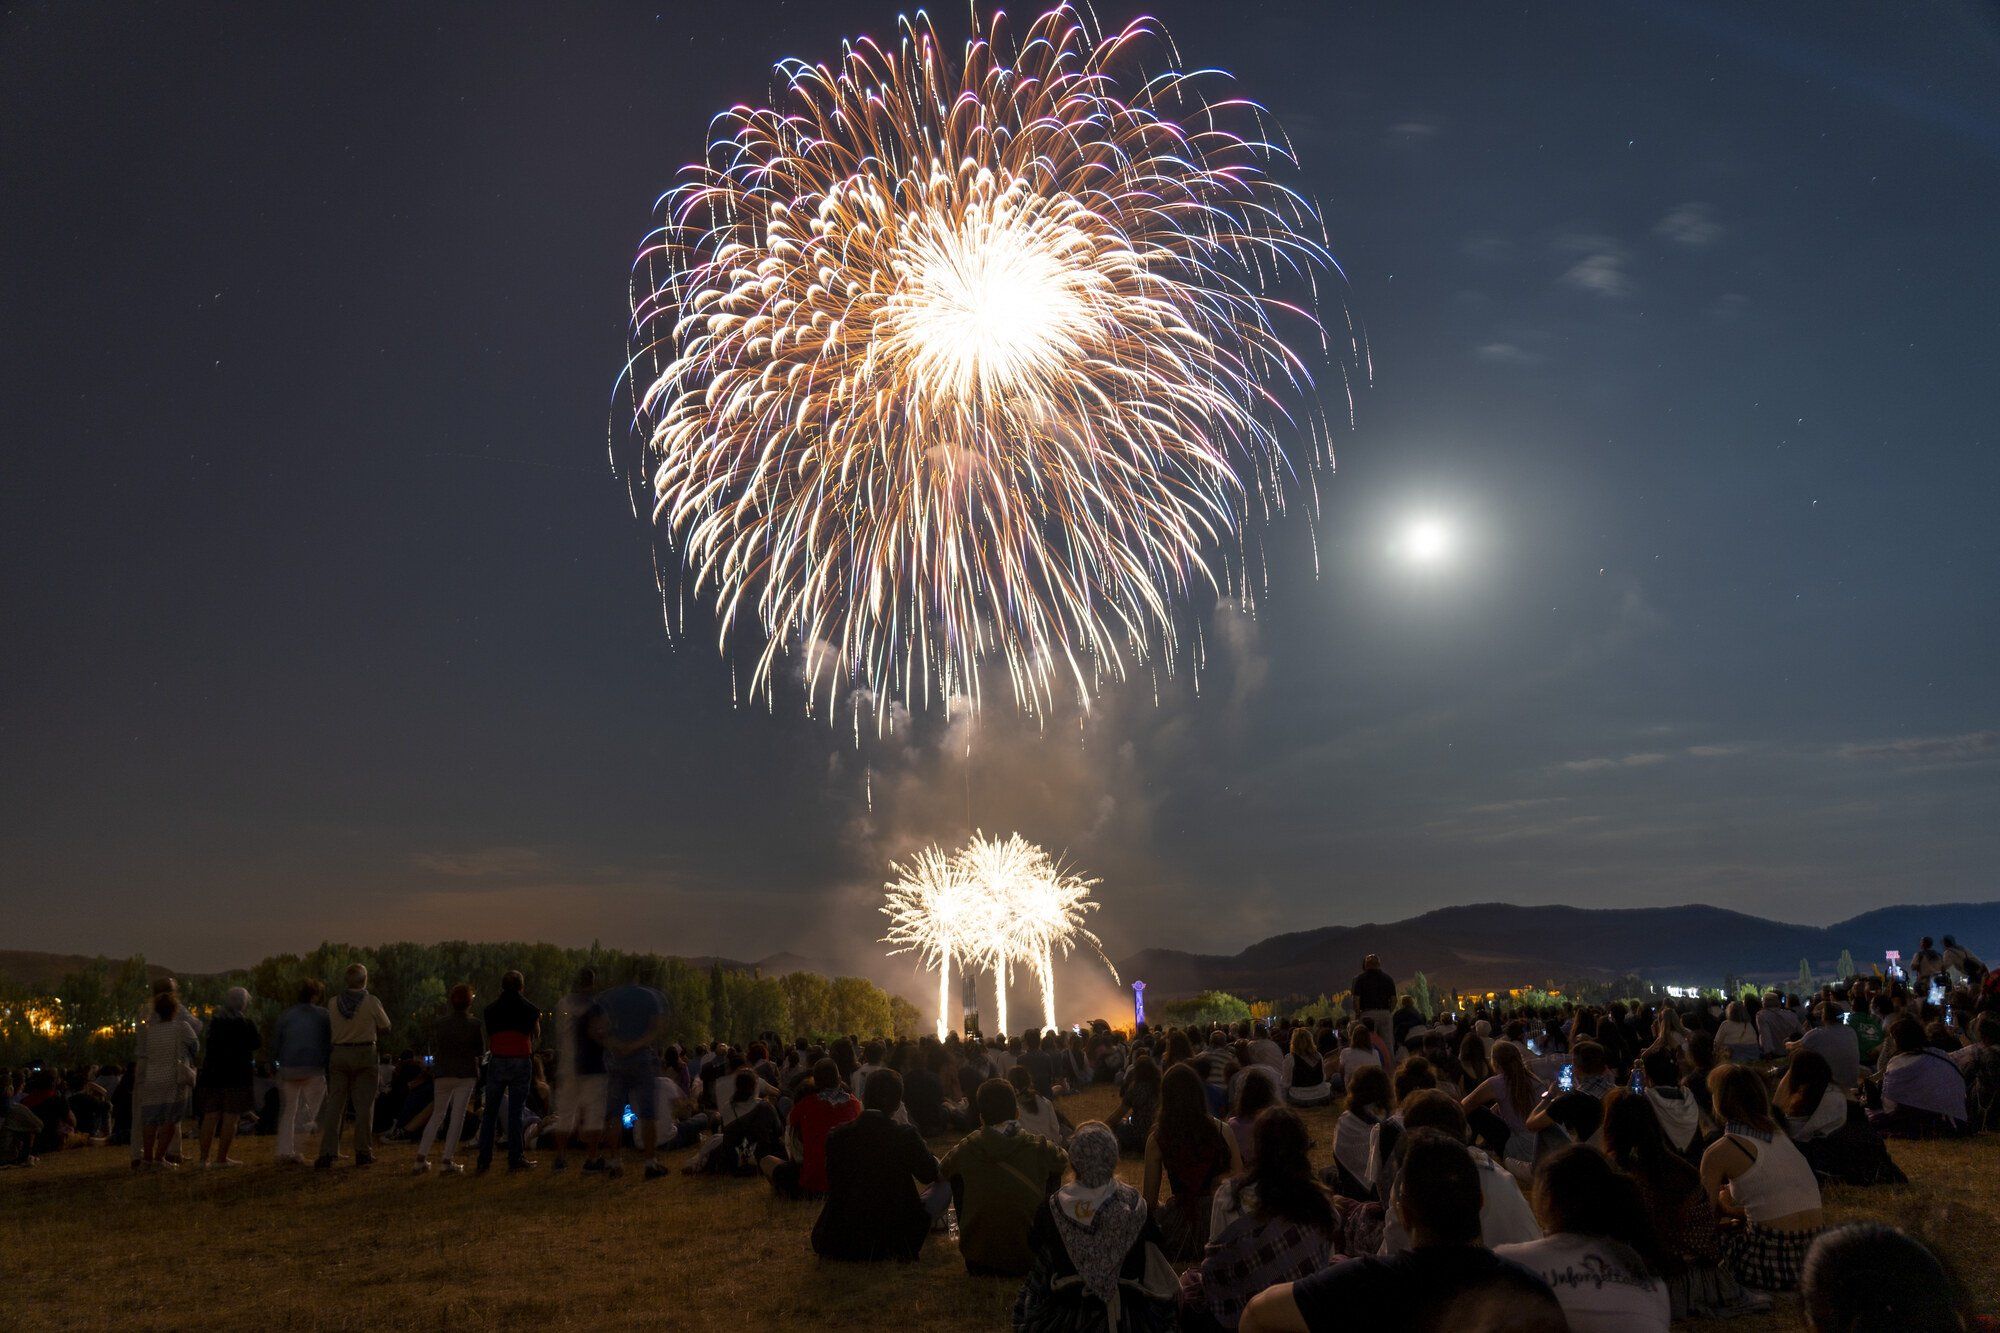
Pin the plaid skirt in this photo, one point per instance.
(1767, 1260)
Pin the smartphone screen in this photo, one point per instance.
(1566, 1078)
(1534, 1047)
(1847, 1017)
(1638, 1079)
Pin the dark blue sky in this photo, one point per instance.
(325, 616)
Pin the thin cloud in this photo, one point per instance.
(1968, 747)
(1692, 225)
(1601, 274)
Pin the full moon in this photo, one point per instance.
(1426, 541)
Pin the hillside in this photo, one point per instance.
(1485, 945)
(32, 969)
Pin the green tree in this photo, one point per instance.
(1844, 970)
(1421, 992)
(1805, 977)
(860, 1007)
(905, 1019)
(808, 1004)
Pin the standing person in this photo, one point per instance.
(585, 1085)
(303, 1043)
(632, 1018)
(1925, 963)
(571, 1023)
(512, 1027)
(167, 1046)
(1375, 998)
(160, 1079)
(358, 1021)
(222, 1093)
(455, 1049)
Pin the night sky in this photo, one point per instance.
(326, 616)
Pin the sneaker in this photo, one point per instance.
(654, 1171)
(451, 1168)
(365, 1159)
(229, 1161)
(421, 1167)
(594, 1166)
(523, 1165)
(289, 1159)
(323, 1163)
(613, 1171)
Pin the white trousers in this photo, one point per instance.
(449, 1098)
(298, 1109)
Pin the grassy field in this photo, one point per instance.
(86, 1243)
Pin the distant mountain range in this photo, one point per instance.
(1488, 945)
(1482, 946)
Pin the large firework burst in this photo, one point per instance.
(993, 904)
(958, 356)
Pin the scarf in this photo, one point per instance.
(1097, 1216)
(1679, 1117)
(350, 1000)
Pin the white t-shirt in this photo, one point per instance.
(1602, 1285)
(1353, 1060)
(1504, 1215)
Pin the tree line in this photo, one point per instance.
(90, 1015)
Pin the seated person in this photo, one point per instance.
(1869, 1276)
(1836, 1043)
(1673, 1106)
(1000, 1176)
(814, 1116)
(1088, 1244)
(1593, 1256)
(1190, 1152)
(1756, 1177)
(1807, 1098)
(874, 1167)
(1272, 1224)
(1922, 1089)
(1504, 1215)
(1445, 1281)
(1367, 1107)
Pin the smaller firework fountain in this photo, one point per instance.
(993, 904)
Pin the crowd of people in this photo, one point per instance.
(1615, 1167)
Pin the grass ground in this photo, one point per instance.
(86, 1243)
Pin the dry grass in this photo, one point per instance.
(86, 1243)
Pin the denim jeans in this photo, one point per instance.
(507, 1078)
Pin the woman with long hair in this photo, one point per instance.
(1594, 1253)
(1190, 1152)
(1038, 1113)
(1474, 1060)
(1508, 1095)
(1755, 1173)
(1254, 1093)
(1306, 1083)
(1272, 1224)
(1137, 1105)
(1811, 1106)
(1367, 1107)
(1689, 1248)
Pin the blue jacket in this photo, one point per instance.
(303, 1040)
